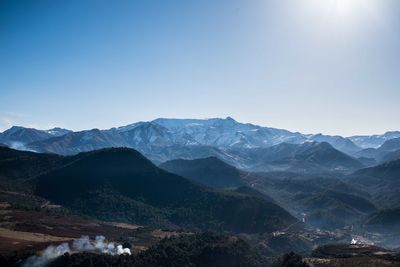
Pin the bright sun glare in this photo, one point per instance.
(343, 12)
(347, 8)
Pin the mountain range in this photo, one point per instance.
(238, 144)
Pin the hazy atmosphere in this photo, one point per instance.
(201, 133)
(310, 66)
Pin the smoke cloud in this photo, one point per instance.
(99, 245)
(20, 146)
(49, 254)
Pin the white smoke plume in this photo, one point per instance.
(20, 146)
(82, 244)
(99, 245)
(49, 254)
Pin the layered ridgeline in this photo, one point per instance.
(308, 157)
(236, 143)
(122, 185)
(389, 150)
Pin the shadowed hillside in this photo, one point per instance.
(208, 171)
(382, 182)
(122, 184)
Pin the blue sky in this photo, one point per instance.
(330, 66)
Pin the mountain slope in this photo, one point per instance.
(388, 171)
(326, 156)
(340, 143)
(386, 151)
(252, 192)
(373, 141)
(210, 171)
(57, 131)
(310, 157)
(17, 168)
(390, 145)
(76, 142)
(389, 218)
(17, 136)
(381, 181)
(122, 184)
(391, 156)
(228, 132)
(325, 201)
(334, 209)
